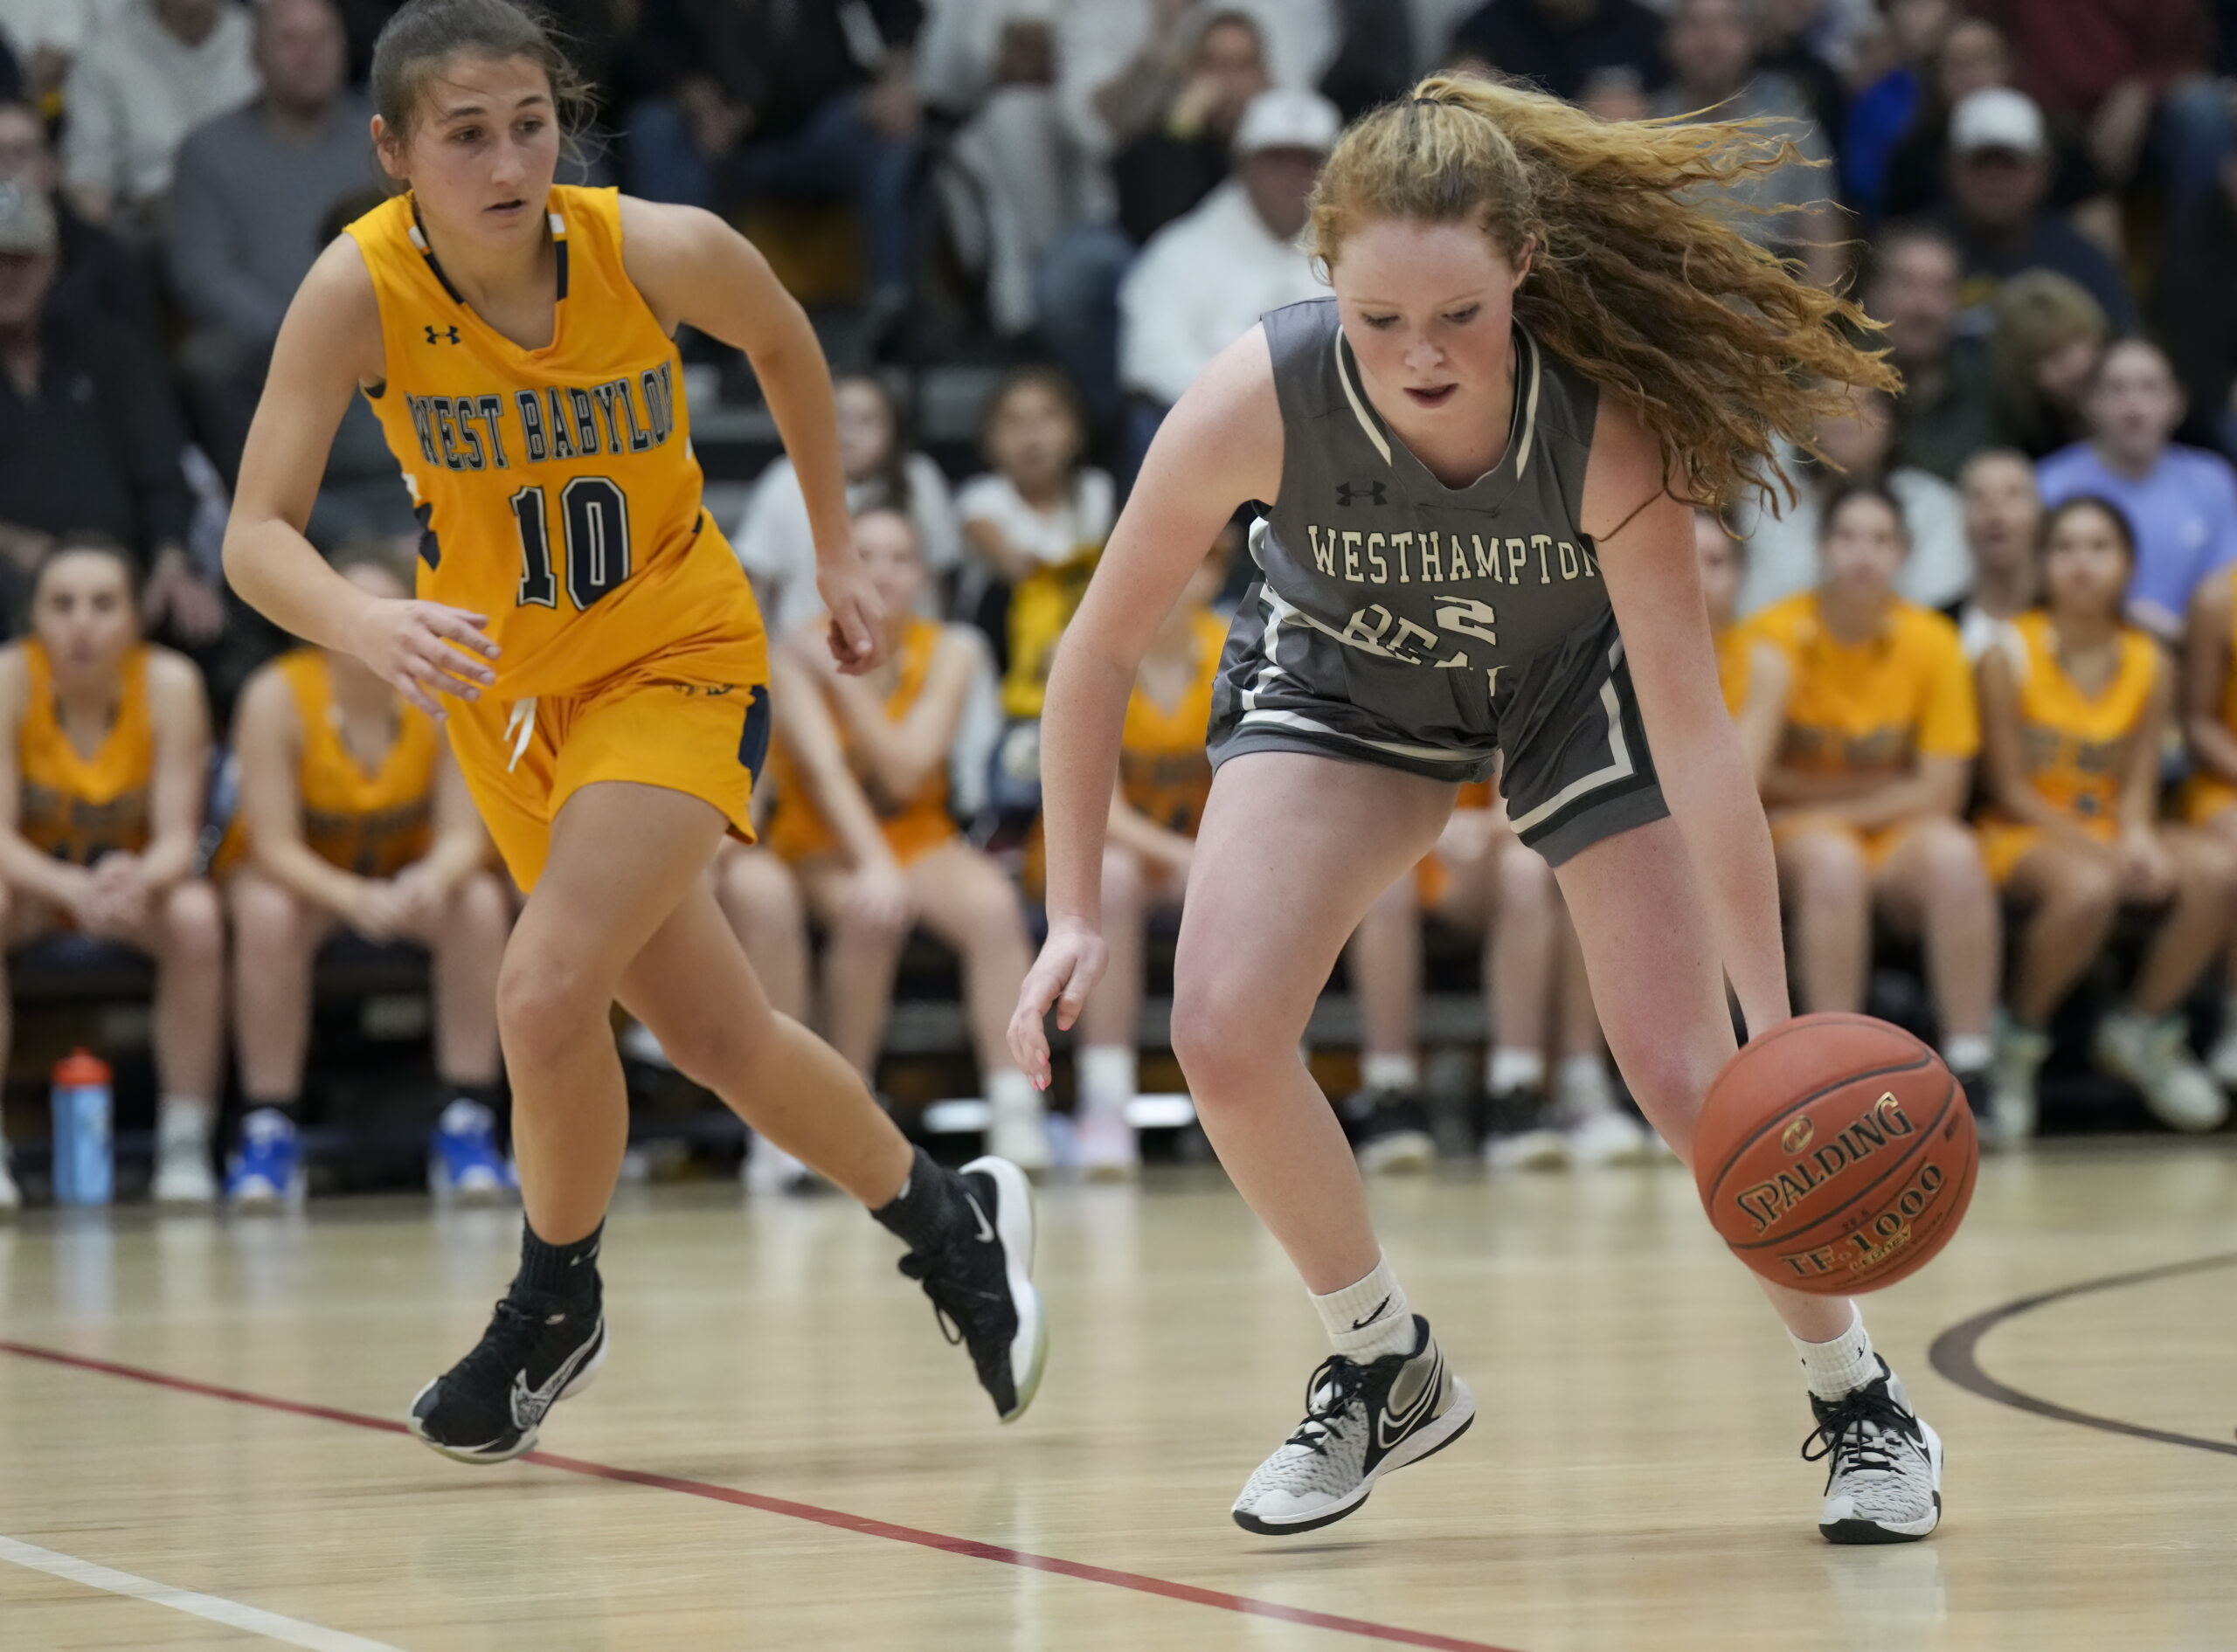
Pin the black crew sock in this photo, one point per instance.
(287, 1106)
(566, 1271)
(925, 1212)
(485, 1094)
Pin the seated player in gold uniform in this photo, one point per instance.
(1872, 772)
(861, 773)
(353, 816)
(2074, 715)
(104, 749)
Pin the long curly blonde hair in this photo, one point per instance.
(1635, 281)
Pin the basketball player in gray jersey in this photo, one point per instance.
(1482, 454)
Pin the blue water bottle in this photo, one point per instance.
(84, 1170)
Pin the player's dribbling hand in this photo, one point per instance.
(857, 611)
(1072, 960)
(424, 649)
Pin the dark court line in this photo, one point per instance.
(1956, 1354)
(864, 1525)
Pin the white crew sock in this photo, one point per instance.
(1968, 1051)
(1842, 1365)
(1107, 1077)
(1388, 1072)
(182, 1125)
(1581, 1083)
(1010, 1091)
(1369, 1319)
(1505, 1069)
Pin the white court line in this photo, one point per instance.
(217, 1609)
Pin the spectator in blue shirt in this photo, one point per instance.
(2182, 501)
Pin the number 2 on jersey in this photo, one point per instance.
(594, 525)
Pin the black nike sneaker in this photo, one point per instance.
(1360, 1421)
(539, 1350)
(1388, 1131)
(980, 1281)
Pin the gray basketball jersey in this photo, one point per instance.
(1446, 632)
(1366, 546)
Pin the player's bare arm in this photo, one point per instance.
(692, 267)
(1220, 446)
(329, 347)
(1646, 538)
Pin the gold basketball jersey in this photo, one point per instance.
(556, 486)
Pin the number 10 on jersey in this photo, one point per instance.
(594, 529)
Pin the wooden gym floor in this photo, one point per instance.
(198, 1445)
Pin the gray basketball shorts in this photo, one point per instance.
(1562, 729)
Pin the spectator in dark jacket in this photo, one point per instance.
(774, 97)
(1162, 174)
(1948, 411)
(88, 436)
(2194, 310)
(101, 282)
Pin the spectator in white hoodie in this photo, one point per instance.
(1206, 278)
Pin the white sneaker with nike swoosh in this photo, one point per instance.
(1361, 1422)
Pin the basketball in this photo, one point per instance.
(1836, 1154)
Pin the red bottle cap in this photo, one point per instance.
(81, 1068)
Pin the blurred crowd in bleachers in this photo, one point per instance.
(1068, 207)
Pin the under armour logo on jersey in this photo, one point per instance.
(1347, 493)
(441, 335)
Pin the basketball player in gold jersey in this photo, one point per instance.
(603, 668)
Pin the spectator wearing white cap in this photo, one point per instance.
(1206, 278)
(2000, 165)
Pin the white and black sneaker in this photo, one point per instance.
(1883, 1464)
(539, 1348)
(1360, 1421)
(980, 1281)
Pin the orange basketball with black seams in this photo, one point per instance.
(1836, 1154)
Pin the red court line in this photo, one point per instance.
(837, 1519)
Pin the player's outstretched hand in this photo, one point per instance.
(1072, 960)
(424, 649)
(857, 611)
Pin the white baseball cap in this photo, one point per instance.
(1997, 117)
(1288, 118)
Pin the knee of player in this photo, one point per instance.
(2206, 870)
(2091, 885)
(1826, 869)
(1124, 883)
(1213, 1036)
(194, 925)
(997, 918)
(756, 887)
(480, 907)
(1953, 860)
(883, 928)
(545, 996)
(264, 914)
